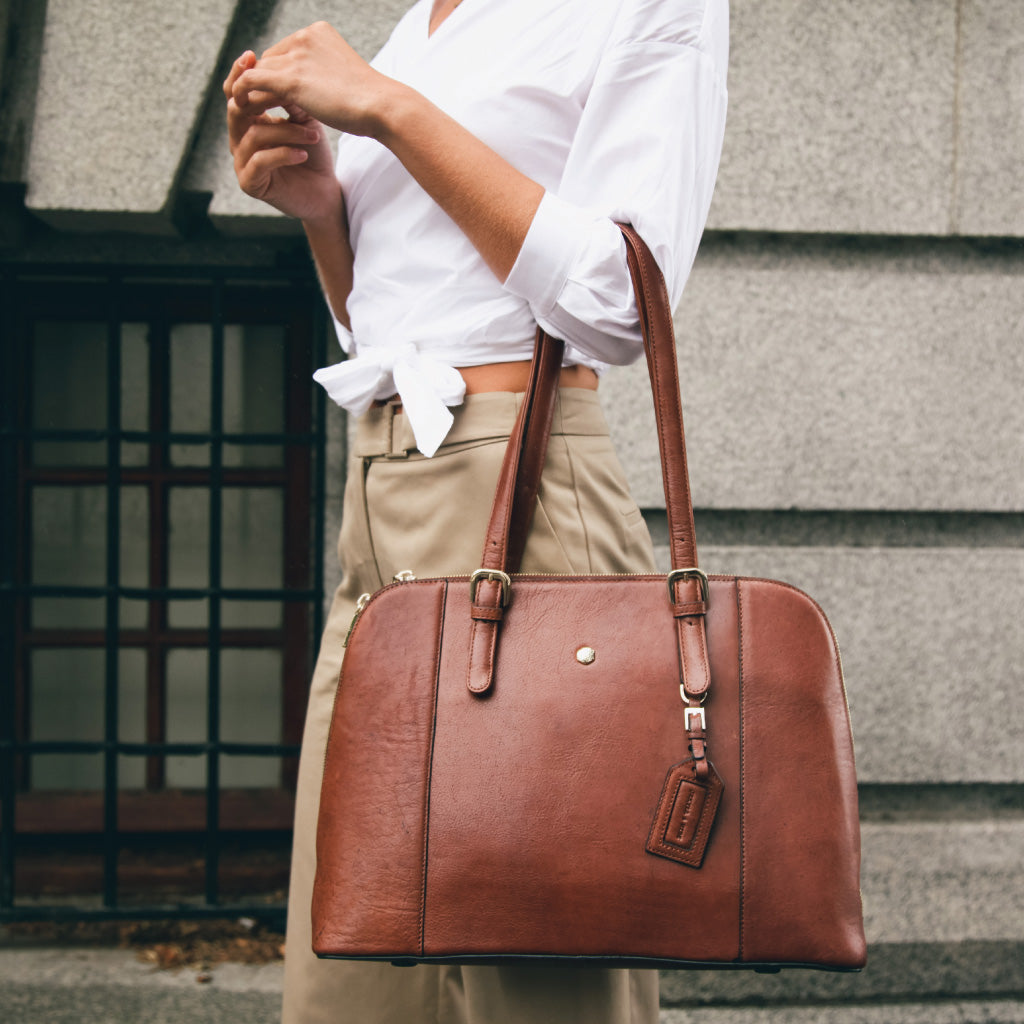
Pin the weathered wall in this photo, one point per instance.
(852, 372)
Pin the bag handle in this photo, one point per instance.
(515, 496)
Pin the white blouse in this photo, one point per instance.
(615, 107)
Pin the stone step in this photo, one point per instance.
(895, 973)
(945, 1012)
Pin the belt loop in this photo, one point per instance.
(393, 450)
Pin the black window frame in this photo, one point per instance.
(159, 294)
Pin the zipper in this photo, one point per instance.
(408, 577)
(364, 600)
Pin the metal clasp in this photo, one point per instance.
(694, 712)
(491, 574)
(689, 574)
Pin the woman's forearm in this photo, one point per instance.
(316, 71)
(492, 202)
(332, 253)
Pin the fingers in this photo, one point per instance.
(255, 176)
(238, 120)
(251, 110)
(296, 114)
(246, 61)
(272, 135)
(260, 87)
(247, 100)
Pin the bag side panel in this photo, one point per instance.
(368, 892)
(801, 834)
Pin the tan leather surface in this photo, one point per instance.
(801, 828)
(371, 830)
(549, 785)
(543, 794)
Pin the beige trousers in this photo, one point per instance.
(405, 512)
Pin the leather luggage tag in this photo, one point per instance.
(686, 812)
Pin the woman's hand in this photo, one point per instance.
(316, 70)
(285, 162)
(314, 73)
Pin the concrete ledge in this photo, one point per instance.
(990, 186)
(840, 117)
(945, 1012)
(833, 377)
(110, 986)
(121, 86)
(914, 648)
(21, 37)
(944, 882)
(904, 972)
(73, 986)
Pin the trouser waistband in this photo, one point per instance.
(385, 431)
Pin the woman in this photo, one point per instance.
(486, 154)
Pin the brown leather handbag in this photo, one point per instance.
(640, 770)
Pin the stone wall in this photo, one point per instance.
(852, 370)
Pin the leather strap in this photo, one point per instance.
(515, 496)
(516, 493)
(515, 499)
(660, 348)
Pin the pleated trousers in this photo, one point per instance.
(402, 512)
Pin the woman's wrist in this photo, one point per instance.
(396, 107)
(328, 218)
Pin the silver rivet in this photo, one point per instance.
(586, 655)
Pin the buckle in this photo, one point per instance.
(689, 574)
(498, 577)
(694, 712)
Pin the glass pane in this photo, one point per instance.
(69, 534)
(252, 555)
(250, 713)
(134, 390)
(191, 369)
(189, 553)
(68, 612)
(186, 715)
(67, 771)
(69, 548)
(67, 704)
(131, 715)
(135, 543)
(254, 386)
(69, 390)
(251, 614)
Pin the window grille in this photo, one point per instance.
(161, 568)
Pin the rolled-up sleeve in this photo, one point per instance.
(646, 153)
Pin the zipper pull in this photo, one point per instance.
(364, 600)
(405, 576)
